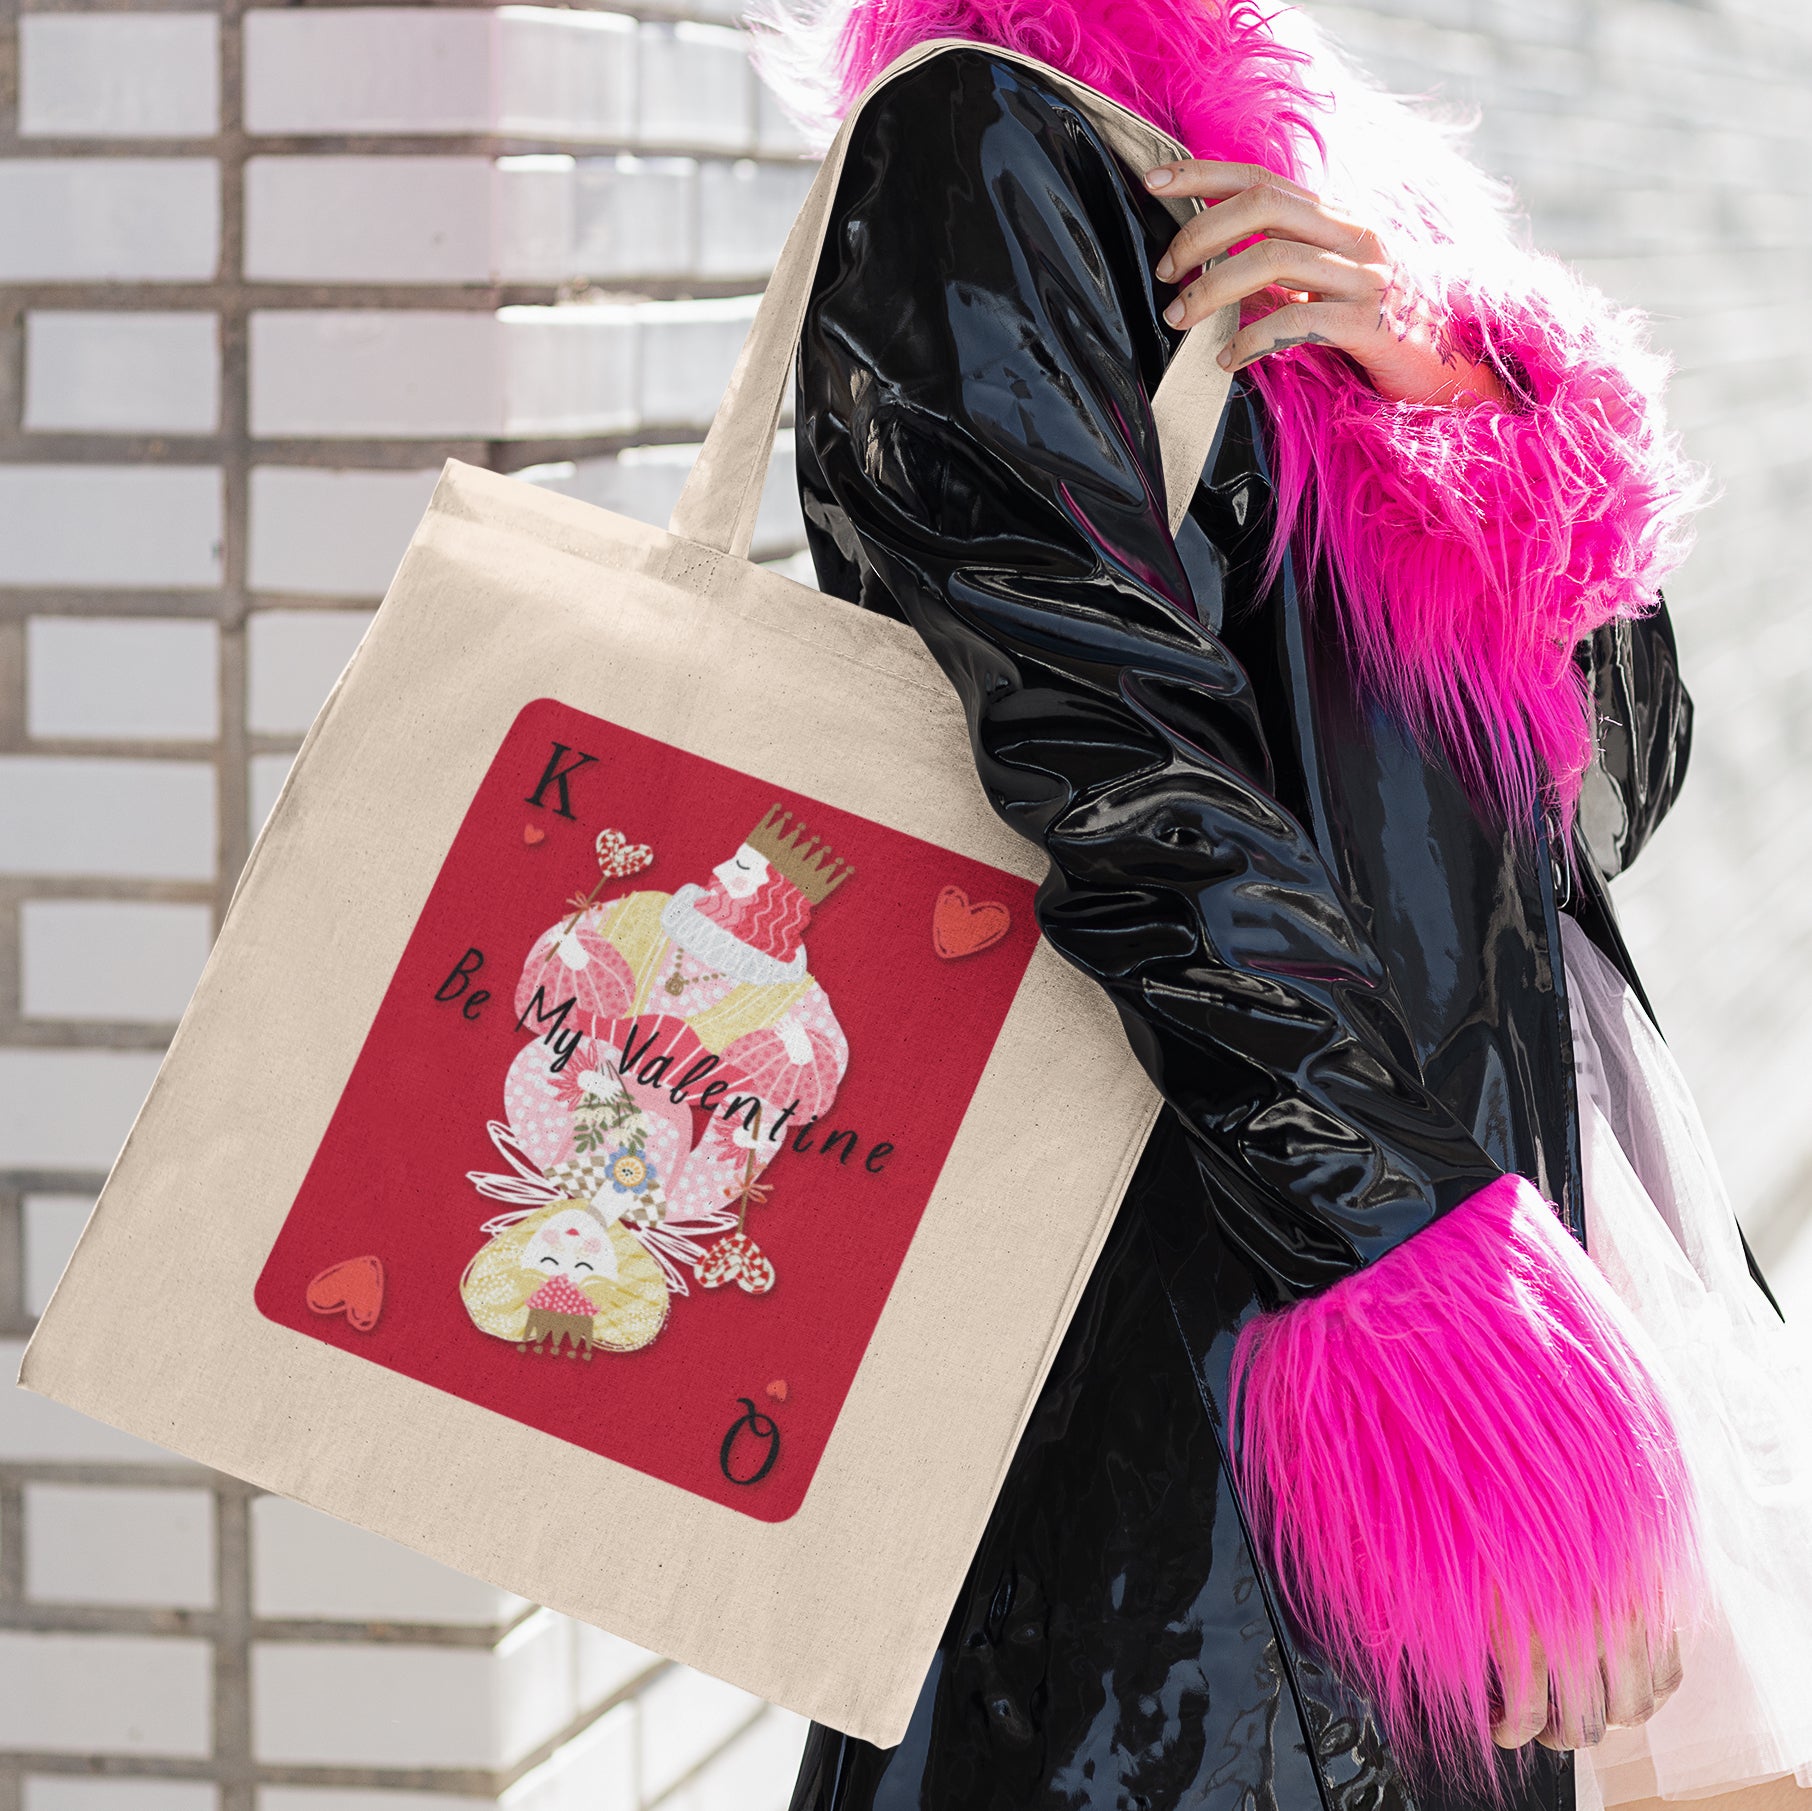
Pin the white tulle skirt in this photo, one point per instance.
(1659, 1225)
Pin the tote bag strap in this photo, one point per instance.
(722, 496)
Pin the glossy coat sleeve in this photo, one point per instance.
(1644, 722)
(974, 383)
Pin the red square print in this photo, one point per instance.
(646, 1120)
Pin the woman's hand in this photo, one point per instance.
(1334, 281)
(1643, 1683)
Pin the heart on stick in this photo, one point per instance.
(618, 857)
(354, 1288)
(739, 1260)
(961, 929)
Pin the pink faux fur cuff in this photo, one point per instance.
(1456, 1441)
(1476, 547)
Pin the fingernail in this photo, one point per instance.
(1174, 313)
(1157, 179)
(1166, 269)
(1224, 358)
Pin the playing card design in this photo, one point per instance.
(652, 1107)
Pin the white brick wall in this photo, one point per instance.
(171, 617)
(145, 219)
(525, 372)
(132, 527)
(101, 1544)
(122, 678)
(369, 219)
(695, 87)
(50, 1226)
(573, 370)
(70, 815)
(104, 1694)
(684, 1717)
(531, 72)
(373, 514)
(597, 1769)
(329, 1798)
(268, 772)
(69, 1109)
(119, 75)
(634, 216)
(121, 373)
(371, 372)
(45, 1792)
(745, 209)
(110, 960)
(34, 1430)
(645, 482)
(383, 1706)
(294, 658)
(307, 1565)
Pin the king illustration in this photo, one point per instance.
(695, 1039)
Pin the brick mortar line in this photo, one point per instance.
(18, 148)
(148, 1474)
(348, 453)
(12, 1545)
(128, 888)
(231, 1706)
(124, 748)
(76, 601)
(27, 1615)
(394, 294)
(51, 1179)
(130, 1035)
(652, 13)
(463, 1782)
(12, 1231)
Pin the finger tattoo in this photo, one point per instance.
(1286, 344)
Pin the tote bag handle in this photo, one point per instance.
(722, 496)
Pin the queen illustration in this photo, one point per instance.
(695, 1041)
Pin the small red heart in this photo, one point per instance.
(354, 1289)
(961, 929)
(777, 1389)
(533, 834)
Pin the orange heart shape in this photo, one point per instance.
(961, 929)
(533, 834)
(354, 1288)
(777, 1389)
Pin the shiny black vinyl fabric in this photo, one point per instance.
(1341, 976)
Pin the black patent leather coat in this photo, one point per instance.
(1344, 980)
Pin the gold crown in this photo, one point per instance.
(805, 861)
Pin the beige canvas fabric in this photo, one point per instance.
(508, 594)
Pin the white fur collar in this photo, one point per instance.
(729, 955)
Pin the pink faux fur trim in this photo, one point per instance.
(1456, 1439)
(1473, 548)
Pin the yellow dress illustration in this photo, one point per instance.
(559, 1277)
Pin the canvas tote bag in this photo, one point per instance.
(630, 1142)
